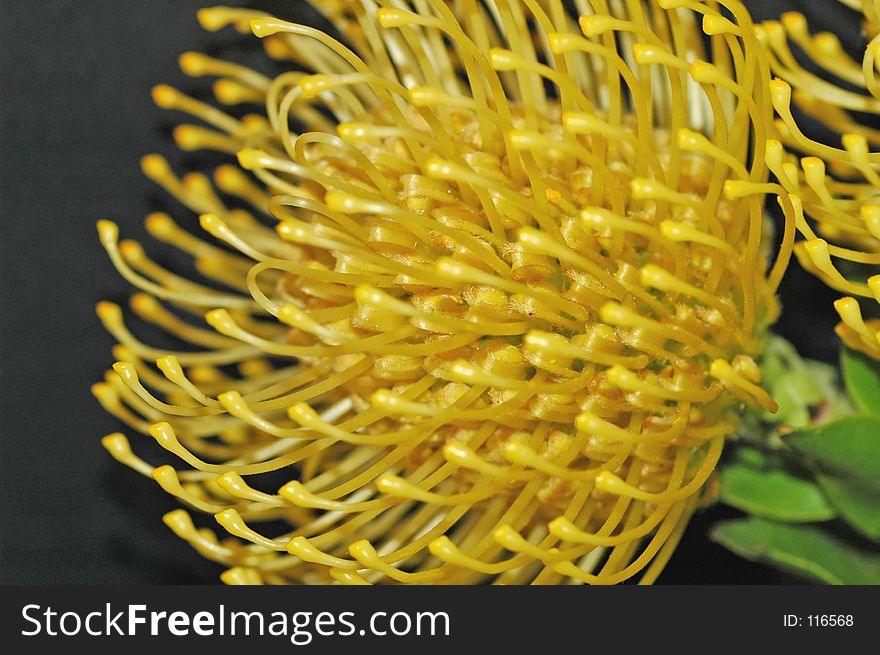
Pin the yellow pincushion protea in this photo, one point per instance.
(838, 188)
(493, 306)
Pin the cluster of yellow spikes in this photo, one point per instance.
(838, 188)
(485, 287)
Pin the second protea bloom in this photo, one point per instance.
(836, 186)
(487, 299)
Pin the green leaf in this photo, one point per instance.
(803, 388)
(754, 458)
(794, 394)
(802, 549)
(861, 374)
(858, 506)
(773, 493)
(848, 448)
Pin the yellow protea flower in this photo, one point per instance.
(837, 188)
(493, 307)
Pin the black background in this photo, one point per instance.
(75, 117)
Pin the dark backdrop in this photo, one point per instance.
(75, 116)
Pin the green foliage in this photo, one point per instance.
(848, 448)
(800, 386)
(811, 482)
(858, 505)
(805, 550)
(773, 491)
(861, 375)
